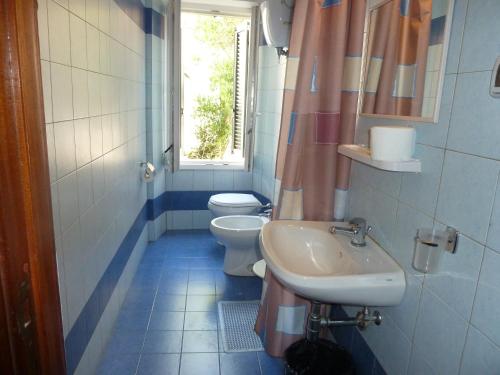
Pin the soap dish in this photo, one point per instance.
(362, 154)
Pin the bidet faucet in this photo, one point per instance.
(267, 213)
(357, 230)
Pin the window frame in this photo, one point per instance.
(175, 85)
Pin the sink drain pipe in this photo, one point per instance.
(315, 321)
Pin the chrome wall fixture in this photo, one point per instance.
(149, 170)
(315, 321)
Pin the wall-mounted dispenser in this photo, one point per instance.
(276, 22)
(430, 244)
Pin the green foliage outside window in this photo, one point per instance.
(214, 112)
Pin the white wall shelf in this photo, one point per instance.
(362, 154)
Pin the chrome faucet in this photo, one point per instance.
(358, 230)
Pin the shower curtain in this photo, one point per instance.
(319, 112)
(397, 58)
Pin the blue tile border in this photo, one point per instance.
(349, 337)
(148, 19)
(80, 334)
(189, 201)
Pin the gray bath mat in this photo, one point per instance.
(237, 321)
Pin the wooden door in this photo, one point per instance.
(31, 338)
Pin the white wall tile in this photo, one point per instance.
(98, 179)
(182, 180)
(479, 52)
(54, 197)
(473, 131)
(95, 137)
(202, 219)
(94, 82)
(456, 278)
(64, 138)
(80, 93)
(68, 200)
(202, 180)
(78, 39)
(92, 12)
(438, 327)
(63, 3)
(62, 92)
(59, 33)
(182, 220)
(466, 193)
(84, 181)
(43, 30)
(104, 15)
(82, 140)
(77, 7)
(242, 180)
(93, 48)
(73, 271)
(487, 303)
(51, 151)
(223, 180)
(47, 91)
(88, 199)
(421, 190)
(481, 356)
(107, 133)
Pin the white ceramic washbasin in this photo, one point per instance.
(321, 266)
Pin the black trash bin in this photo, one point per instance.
(321, 357)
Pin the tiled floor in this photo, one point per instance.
(168, 323)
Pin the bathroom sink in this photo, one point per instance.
(321, 266)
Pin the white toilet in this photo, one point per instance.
(233, 204)
(240, 235)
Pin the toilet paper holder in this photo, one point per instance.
(149, 170)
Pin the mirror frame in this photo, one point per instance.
(373, 4)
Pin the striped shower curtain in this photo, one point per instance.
(319, 113)
(398, 49)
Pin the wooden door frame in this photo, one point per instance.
(31, 335)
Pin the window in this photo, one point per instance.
(215, 70)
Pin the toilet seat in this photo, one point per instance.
(234, 200)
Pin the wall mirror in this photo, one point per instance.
(406, 44)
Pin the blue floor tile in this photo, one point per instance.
(169, 317)
(239, 363)
(200, 364)
(125, 341)
(200, 342)
(362, 355)
(132, 319)
(170, 302)
(270, 365)
(167, 320)
(139, 298)
(159, 364)
(202, 303)
(238, 288)
(204, 276)
(174, 285)
(201, 288)
(200, 321)
(163, 342)
(123, 364)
